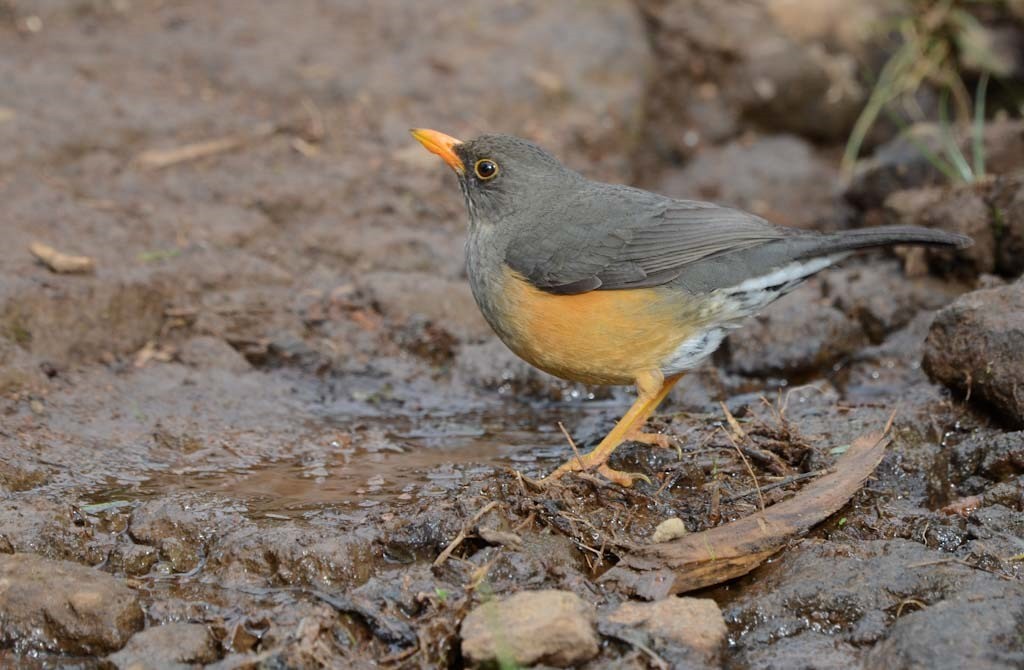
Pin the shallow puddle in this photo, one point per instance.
(405, 460)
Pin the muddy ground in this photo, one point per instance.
(248, 436)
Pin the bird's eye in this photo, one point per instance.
(486, 169)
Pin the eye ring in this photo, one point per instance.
(485, 169)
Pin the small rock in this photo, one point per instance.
(181, 556)
(64, 607)
(154, 520)
(668, 530)
(975, 346)
(176, 645)
(696, 623)
(205, 352)
(551, 627)
(962, 210)
(138, 559)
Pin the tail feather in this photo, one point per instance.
(881, 236)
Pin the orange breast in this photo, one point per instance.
(600, 337)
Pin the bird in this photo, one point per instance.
(609, 284)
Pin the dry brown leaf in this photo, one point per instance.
(725, 552)
(62, 263)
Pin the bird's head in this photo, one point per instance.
(500, 174)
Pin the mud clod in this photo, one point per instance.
(693, 623)
(974, 346)
(65, 607)
(176, 645)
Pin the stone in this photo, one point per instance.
(975, 346)
(962, 210)
(551, 627)
(206, 352)
(173, 646)
(65, 607)
(138, 559)
(696, 623)
(182, 557)
(668, 530)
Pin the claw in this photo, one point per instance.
(657, 440)
(625, 479)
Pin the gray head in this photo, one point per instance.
(500, 174)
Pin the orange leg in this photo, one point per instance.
(652, 387)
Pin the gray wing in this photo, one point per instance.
(619, 237)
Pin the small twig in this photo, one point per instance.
(786, 481)
(909, 601)
(656, 660)
(733, 423)
(572, 444)
(750, 470)
(960, 561)
(157, 159)
(464, 533)
(400, 656)
(888, 424)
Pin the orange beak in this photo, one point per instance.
(442, 145)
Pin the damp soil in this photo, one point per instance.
(273, 406)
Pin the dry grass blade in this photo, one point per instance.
(464, 533)
(572, 443)
(736, 436)
(734, 549)
(62, 263)
(156, 159)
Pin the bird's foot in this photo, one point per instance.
(587, 463)
(656, 440)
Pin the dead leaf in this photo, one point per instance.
(725, 552)
(62, 263)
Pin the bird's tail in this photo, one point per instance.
(881, 236)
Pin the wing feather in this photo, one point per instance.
(633, 239)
